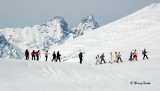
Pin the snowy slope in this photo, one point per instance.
(137, 31)
(39, 76)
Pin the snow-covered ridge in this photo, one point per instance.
(6, 49)
(143, 18)
(42, 37)
(136, 31)
(87, 23)
(54, 30)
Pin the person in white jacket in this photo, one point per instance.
(98, 60)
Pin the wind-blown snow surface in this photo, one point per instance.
(18, 75)
(137, 31)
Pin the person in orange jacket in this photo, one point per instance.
(135, 55)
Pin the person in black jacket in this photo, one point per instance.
(54, 57)
(102, 58)
(80, 57)
(58, 56)
(27, 54)
(144, 52)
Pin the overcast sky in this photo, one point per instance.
(21, 13)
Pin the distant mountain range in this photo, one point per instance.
(55, 31)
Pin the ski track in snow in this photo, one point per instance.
(66, 76)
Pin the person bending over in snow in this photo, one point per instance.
(144, 52)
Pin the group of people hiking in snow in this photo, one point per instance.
(56, 57)
(117, 57)
(36, 54)
(134, 55)
(99, 58)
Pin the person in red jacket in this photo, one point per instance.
(38, 54)
(135, 55)
(33, 55)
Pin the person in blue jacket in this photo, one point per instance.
(131, 55)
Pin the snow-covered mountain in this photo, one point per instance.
(6, 49)
(57, 28)
(143, 18)
(39, 36)
(44, 36)
(87, 24)
(136, 31)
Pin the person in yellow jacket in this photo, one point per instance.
(116, 57)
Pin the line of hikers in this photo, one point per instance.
(133, 55)
(36, 54)
(99, 59)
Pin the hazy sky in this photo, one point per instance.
(21, 13)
